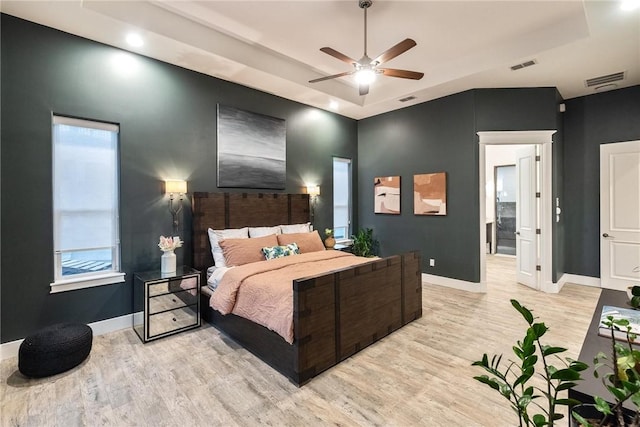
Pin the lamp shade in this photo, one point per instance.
(175, 186)
(313, 190)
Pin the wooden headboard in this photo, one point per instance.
(237, 210)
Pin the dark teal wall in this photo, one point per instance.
(590, 121)
(437, 136)
(167, 117)
(168, 129)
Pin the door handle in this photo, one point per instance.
(606, 235)
(517, 233)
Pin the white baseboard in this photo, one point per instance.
(455, 283)
(579, 280)
(551, 288)
(10, 349)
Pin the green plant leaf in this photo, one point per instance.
(565, 375)
(617, 393)
(523, 311)
(524, 401)
(548, 351)
(602, 405)
(529, 361)
(579, 366)
(486, 380)
(539, 420)
(539, 329)
(524, 377)
(566, 386)
(635, 291)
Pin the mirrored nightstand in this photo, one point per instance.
(165, 304)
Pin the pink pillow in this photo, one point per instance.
(245, 251)
(307, 242)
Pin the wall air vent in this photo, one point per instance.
(523, 65)
(408, 98)
(602, 80)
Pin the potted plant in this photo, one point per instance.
(622, 380)
(364, 244)
(512, 380)
(633, 292)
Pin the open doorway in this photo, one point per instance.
(504, 188)
(533, 228)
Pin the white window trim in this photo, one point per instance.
(74, 283)
(83, 281)
(347, 240)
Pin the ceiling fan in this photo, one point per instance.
(366, 69)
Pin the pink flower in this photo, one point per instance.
(169, 243)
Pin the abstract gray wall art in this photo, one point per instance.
(251, 150)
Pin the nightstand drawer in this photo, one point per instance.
(173, 320)
(173, 285)
(170, 301)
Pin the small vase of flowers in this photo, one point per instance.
(168, 259)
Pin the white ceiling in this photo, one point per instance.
(274, 46)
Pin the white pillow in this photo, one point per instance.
(263, 231)
(230, 233)
(296, 228)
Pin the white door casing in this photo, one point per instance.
(620, 215)
(544, 138)
(526, 217)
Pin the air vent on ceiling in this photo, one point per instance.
(602, 80)
(523, 65)
(408, 98)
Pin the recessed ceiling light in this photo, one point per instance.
(629, 4)
(134, 40)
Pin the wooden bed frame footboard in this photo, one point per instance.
(335, 315)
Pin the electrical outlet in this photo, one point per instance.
(432, 262)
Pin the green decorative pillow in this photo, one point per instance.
(273, 252)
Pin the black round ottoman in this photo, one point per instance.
(54, 349)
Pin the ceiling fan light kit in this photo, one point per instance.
(366, 69)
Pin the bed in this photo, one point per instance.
(335, 314)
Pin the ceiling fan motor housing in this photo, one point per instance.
(365, 3)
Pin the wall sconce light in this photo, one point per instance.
(313, 191)
(174, 186)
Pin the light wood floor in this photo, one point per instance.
(419, 375)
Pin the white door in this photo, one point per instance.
(620, 215)
(526, 209)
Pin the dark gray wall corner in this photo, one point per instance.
(167, 118)
(558, 230)
(436, 136)
(588, 122)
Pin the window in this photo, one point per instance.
(341, 199)
(86, 238)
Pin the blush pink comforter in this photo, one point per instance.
(263, 291)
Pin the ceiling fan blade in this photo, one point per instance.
(334, 76)
(403, 74)
(396, 50)
(338, 55)
(364, 89)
